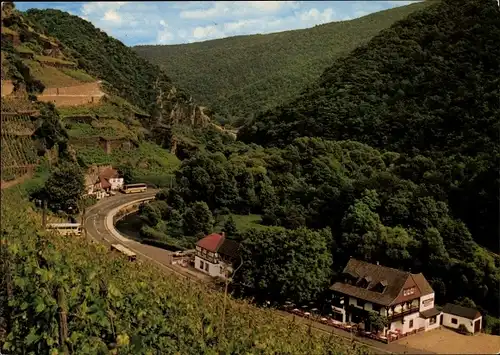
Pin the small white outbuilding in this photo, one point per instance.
(454, 316)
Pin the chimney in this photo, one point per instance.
(223, 234)
(378, 263)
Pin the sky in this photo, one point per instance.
(174, 22)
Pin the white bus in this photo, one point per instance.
(66, 228)
(125, 251)
(132, 188)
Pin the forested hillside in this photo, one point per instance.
(428, 88)
(241, 75)
(317, 203)
(127, 74)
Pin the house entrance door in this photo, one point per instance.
(477, 325)
(441, 320)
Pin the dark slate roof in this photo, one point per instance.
(423, 285)
(229, 248)
(430, 313)
(460, 311)
(394, 278)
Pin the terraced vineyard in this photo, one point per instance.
(18, 151)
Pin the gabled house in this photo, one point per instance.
(99, 180)
(406, 299)
(216, 255)
(110, 179)
(454, 316)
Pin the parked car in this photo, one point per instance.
(180, 253)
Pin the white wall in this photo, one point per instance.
(429, 326)
(405, 327)
(396, 325)
(426, 302)
(116, 183)
(469, 324)
(214, 270)
(416, 324)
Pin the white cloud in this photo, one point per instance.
(164, 37)
(313, 15)
(90, 8)
(112, 16)
(201, 33)
(219, 9)
(189, 21)
(241, 8)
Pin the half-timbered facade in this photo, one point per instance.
(406, 299)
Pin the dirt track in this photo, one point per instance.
(446, 341)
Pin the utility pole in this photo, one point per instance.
(225, 295)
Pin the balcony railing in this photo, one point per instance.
(403, 313)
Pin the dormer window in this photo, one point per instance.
(364, 282)
(380, 286)
(350, 278)
(409, 291)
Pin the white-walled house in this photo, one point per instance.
(111, 176)
(99, 180)
(454, 316)
(406, 299)
(216, 255)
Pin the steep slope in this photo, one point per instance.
(428, 85)
(96, 125)
(240, 75)
(122, 70)
(117, 307)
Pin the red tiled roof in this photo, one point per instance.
(211, 242)
(108, 173)
(104, 183)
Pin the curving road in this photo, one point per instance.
(97, 230)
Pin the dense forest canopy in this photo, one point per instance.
(427, 88)
(239, 76)
(323, 201)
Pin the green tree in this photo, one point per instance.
(377, 321)
(150, 214)
(50, 131)
(198, 219)
(230, 227)
(281, 264)
(175, 223)
(64, 188)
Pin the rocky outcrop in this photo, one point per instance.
(191, 115)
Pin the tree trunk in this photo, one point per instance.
(63, 320)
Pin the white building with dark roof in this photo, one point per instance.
(406, 299)
(470, 318)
